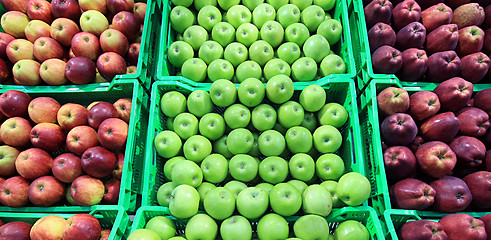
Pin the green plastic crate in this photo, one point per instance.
(394, 219)
(364, 214)
(110, 217)
(145, 64)
(370, 130)
(344, 48)
(134, 152)
(341, 91)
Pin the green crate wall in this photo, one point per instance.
(344, 48)
(110, 217)
(341, 91)
(363, 214)
(134, 152)
(372, 143)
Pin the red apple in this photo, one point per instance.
(422, 229)
(105, 234)
(452, 194)
(86, 44)
(473, 121)
(15, 5)
(133, 53)
(469, 150)
(36, 29)
(46, 48)
(463, 226)
(412, 35)
(481, 100)
(46, 191)
(418, 141)
(441, 127)
(65, 9)
(113, 40)
(443, 65)
(80, 70)
(123, 106)
(43, 110)
(47, 136)
(479, 184)
(67, 167)
(81, 138)
(5, 39)
(393, 100)
(19, 49)
(33, 163)
(112, 188)
(406, 12)
(443, 38)
(71, 115)
(84, 225)
(63, 30)
(487, 224)
(398, 129)
(8, 155)
(100, 112)
(118, 170)
(414, 64)
(423, 105)
(475, 66)
(399, 162)
(436, 15)
(139, 9)
(98, 162)
(378, 11)
(48, 227)
(110, 64)
(87, 191)
(115, 6)
(14, 103)
(436, 159)
(112, 134)
(454, 93)
(14, 192)
(16, 132)
(386, 59)
(39, 10)
(15, 231)
(100, 5)
(127, 23)
(412, 193)
(471, 40)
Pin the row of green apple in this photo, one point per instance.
(261, 40)
(271, 226)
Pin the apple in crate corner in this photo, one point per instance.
(100, 112)
(127, 23)
(98, 162)
(87, 191)
(393, 100)
(123, 106)
(8, 155)
(63, 30)
(412, 193)
(16, 132)
(48, 227)
(15, 231)
(67, 167)
(71, 115)
(46, 191)
(118, 170)
(33, 163)
(398, 129)
(43, 110)
(14, 192)
(111, 195)
(47, 136)
(110, 64)
(84, 225)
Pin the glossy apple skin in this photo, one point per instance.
(443, 65)
(80, 70)
(423, 105)
(112, 134)
(487, 223)
(414, 64)
(110, 64)
(115, 6)
(455, 93)
(473, 121)
(43, 109)
(82, 225)
(46, 191)
(452, 194)
(470, 151)
(443, 38)
(436, 158)
(133, 53)
(412, 35)
(98, 162)
(399, 162)
(398, 129)
(112, 191)
(386, 59)
(65, 9)
(441, 127)
(100, 112)
(412, 193)
(67, 167)
(63, 30)
(378, 11)
(475, 66)
(392, 100)
(87, 45)
(71, 115)
(381, 34)
(39, 10)
(15, 132)
(14, 192)
(463, 226)
(86, 190)
(127, 23)
(406, 12)
(15, 5)
(14, 103)
(33, 163)
(422, 229)
(15, 231)
(118, 170)
(81, 138)
(123, 106)
(479, 184)
(47, 136)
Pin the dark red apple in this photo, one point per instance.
(110, 64)
(5, 39)
(411, 193)
(463, 226)
(14, 103)
(67, 167)
(452, 194)
(479, 184)
(15, 231)
(47, 136)
(469, 150)
(487, 224)
(398, 129)
(378, 11)
(475, 66)
(80, 70)
(100, 112)
(46, 191)
(418, 141)
(386, 59)
(127, 23)
(112, 134)
(406, 12)
(436, 158)
(423, 105)
(111, 194)
(443, 66)
(441, 127)
(412, 35)
(4, 71)
(455, 93)
(115, 6)
(473, 121)
(414, 64)
(98, 162)
(422, 229)
(443, 38)
(133, 53)
(399, 162)
(65, 9)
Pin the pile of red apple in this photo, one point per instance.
(91, 142)
(56, 227)
(68, 41)
(236, 40)
(435, 147)
(430, 40)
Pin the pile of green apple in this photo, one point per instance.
(236, 40)
(254, 149)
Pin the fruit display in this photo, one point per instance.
(345, 223)
(236, 40)
(102, 223)
(69, 42)
(69, 151)
(428, 41)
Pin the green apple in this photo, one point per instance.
(177, 238)
(185, 125)
(298, 139)
(311, 227)
(297, 33)
(238, 14)
(167, 144)
(239, 141)
(179, 52)
(219, 203)
(237, 116)
(163, 226)
(262, 13)
(273, 169)
(277, 3)
(287, 15)
(276, 66)
(332, 64)
(263, 117)
(243, 167)
(331, 29)
(331, 186)
(201, 227)
(199, 103)
(196, 148)
(299, 185)
(184, 202)
(316, 200)
(302, 167)
(164, 194)
(351, 230)
(247, 33)
(227, 4)
(209, 16)
(181, 18)
(194, 69)
(203, 189)
(236, 228)
(251, 92)
(301, 4)
(223, 33)
(285, 199)
(329, 167)
(327, 5)
(252, 4)
(273, 33)
(185, 3)
(304, 69)
(186, 172)
(271, 143)
(169, 124)
(209, 51)
(220, 69)
(288, 52)
(353, 189)
(93, 21)
(236, 53)
(333, 114)
(255, 146)
(169, 164)
(312, 16)
(309, 121)
(220, 146)
(223, 93)
(317, 47)
(195, 35)
(146, 234)
(173, 103)
(265, 186)
(212, 126)
(272, 226)
(328, 16)
(198, 4)
(248, 69)
(327, 139)
(290, 114)
(214, 168)
(235, 187)
(312, 98)
(261, 52)
(279, 89)
(252, 202)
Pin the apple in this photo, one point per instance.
(47, 136)
(63, 30)
(351, 229)
(412, 193)
(82, 225)
(98, 162)
(46, 191)
(240, 141)
(243, 167)
(333, 114)
(36, 29)
(442, 127)
(461, 226)
(26, 160)
(327, 139)
(46, 48)
(452, 194)
(123, 106)
(26, 72)
(290, 52)
(8, 155)
(271, 143)
(237, 116)
(115, 6)
(290, 114)
(279, 89)
(127, 23)
(71, 115)
(219, 203)
(329, 167)
(87, 191)
(311, 227)
(111, 192)
(353, 189)
(185, 125)
(214, 168)
(15, 5)
(65, 9)
(184, 201)
(275, 67)
(14, 23)
(332, 64)
(85, 44)
(423, 105)
(436, 158)
(209, 16)
(48, 227)
(144, 234)
(140, 9)
(399, 162)
(195, 69)
(236, 228)
(179, 52)
(112, 134)
(86, 5)
(273, 169)
(100, 112)
(238, 14)
(161, 225)
(223, 33)
(67, 167)
(470, 151)
(316, 200)
(273, 33)
(167, 144)
(425, 229)
(398, 129)
(261, 52)
(15, 230)
(263, 117)
(313, 45)
(118, 169)
(272, 226)
(235, 53)
(5, 39)
(110, 64)
(196, 148)
(288, 14)
(112, 40)
(285, 199)
(14, 192)
(201, 226)
(478, 184)
(173, 103)
(247, 34)
(43, 109)
(186, 172)
(20, 49)
(218, 69)
(209, 51)
(299, 139)
(312, 98)
(16, 132)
